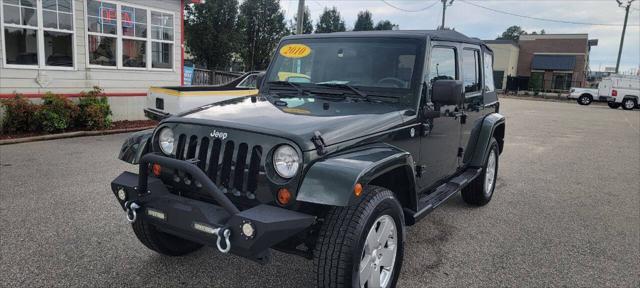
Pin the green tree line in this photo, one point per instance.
(219, 31)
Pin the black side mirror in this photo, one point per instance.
(259, 79)
(447, 92)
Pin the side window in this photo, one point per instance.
(249, 82)
(489, 85)
(443, 64)
(471, 70)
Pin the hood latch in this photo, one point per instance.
(319, 143)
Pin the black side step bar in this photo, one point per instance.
(441, 194)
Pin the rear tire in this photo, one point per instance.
(346, 245)
(480, 191)
(585, 99)
(629, 104)
(613, 105)
(163, 243)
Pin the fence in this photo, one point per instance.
(556, 85)
(208, 77)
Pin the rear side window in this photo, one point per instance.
(489, 85)
(471, 70)
(443, 64)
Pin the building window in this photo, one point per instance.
(38, 34)
(124, 36)
(562, 81)
(162, 40)
(134, 36)
(471, 70)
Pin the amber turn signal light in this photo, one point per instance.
(284, 196)
(357, 189)
(156, 169)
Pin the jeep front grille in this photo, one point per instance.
(234, 167)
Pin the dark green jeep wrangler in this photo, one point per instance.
(352, 137)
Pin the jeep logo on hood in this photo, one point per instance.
(216, 134)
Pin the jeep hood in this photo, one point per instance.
(299, 119)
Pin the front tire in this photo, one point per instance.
(361, 245)
(480, 191)
(613, 105)
(163, 243)
(585, 99)
(629, 104)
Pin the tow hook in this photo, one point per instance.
(226, 233)
(131, 211)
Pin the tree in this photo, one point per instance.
(386, 25)
(514, 32)
(211, 32)
(307, 25)
(261, 24)
(364, 21)
(330, 21)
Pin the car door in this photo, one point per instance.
(440, 135)
(473, 85)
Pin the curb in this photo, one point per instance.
(71, 135)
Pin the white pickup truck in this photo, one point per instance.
(585, 95)
(621, 90)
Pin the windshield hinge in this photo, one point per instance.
(319, 143)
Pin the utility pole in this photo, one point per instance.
(444, 11)
(300, 22)
(624, 29)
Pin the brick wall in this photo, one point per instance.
(577, 46)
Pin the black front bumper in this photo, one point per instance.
(181, 215)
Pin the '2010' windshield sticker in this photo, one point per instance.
(295, 51)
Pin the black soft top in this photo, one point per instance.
(442, 35)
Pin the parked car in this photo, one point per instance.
(352, 137)
(585, 96)
(621, 90)
(163, 102)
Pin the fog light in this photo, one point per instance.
(122, 195)
(204, 228)
(157, 169)
(284, 196)
(156, 213)
(248, 230)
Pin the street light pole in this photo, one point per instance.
(444, 11)
(300, 23)
(624, 30)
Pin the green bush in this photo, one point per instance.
(19, 114)
(95, 112)
(57, 113)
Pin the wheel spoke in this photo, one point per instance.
(388, 255)
(384, 231)
(370, 243)
(365, 269)
(374, 278)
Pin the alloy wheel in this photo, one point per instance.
(379, 253)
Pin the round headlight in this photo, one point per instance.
(286, 161)
(165, 139)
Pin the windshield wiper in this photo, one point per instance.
(295, 86)
(345, 86)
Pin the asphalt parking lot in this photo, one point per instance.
(566, 212)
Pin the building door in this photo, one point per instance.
(498, 79)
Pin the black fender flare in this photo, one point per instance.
(135, 146)
(331, 181)
(487, 130)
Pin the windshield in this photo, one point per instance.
(387, 67)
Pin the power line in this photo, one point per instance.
(542, 19)
(407, 10)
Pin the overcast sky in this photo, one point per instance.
(478, 22)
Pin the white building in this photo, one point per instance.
(69, 46)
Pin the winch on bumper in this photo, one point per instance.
(250, 232)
